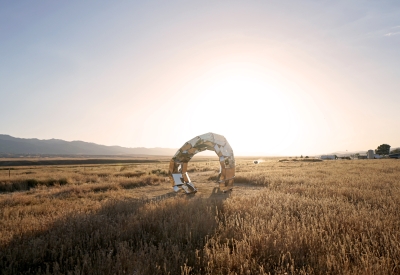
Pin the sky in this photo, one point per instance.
(274, 77)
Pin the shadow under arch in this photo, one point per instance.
(209, 141)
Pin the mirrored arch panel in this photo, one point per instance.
(210, 141)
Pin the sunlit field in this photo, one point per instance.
(289, 217)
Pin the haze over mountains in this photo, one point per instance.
(12, 145)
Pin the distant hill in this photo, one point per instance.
(12, 145)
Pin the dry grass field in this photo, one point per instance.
(290, 217)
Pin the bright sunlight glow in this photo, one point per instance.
(239, 96)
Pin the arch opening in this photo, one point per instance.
(209, 141)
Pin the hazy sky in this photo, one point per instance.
(273, 77)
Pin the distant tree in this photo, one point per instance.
(383, 149)
(306, 157)
(395, 151)
(301, 156)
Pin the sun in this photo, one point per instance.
(247, 104)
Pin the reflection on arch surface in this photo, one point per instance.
(210, 141)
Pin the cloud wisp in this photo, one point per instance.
(392, 33)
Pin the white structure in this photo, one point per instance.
(370, 154)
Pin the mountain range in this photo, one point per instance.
(13, 146)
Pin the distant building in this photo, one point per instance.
(394, 156)
(370, 154)
(362, 156)
(328, 157)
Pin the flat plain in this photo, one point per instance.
(283, 217)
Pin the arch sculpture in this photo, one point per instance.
(210, 141)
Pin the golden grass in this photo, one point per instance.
(330, 217)
(117, 176)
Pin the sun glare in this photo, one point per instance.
(246, 104)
